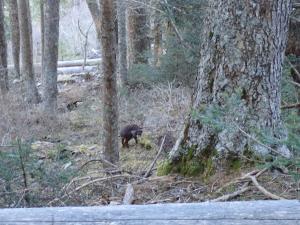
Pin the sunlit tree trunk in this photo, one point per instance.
(32, 95)
(239, 76)
(51, 36)
(15, 34)
(110, 102)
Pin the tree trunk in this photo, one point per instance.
(15, 34)
(42, 32)
(293, 43)
(138, 33)
(51, 36)
(157, 33)
(3, 54)
(237, 94)
(110, 114)
(32, 95)
(122, 41)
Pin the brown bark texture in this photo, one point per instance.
(110, 102)
(239, 75)
(3, 54)
(51, 36)
(15, 34)
(32, 95)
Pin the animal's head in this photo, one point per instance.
(137, 132)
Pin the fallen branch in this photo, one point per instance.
(297, 105)
(232, 195)
(263, 190)
(245, 187)
(85, 185)
(155, 159)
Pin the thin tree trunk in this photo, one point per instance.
(122, 41)
(157, 31)
(32, 95)
(51, 37)
(42, 32)
(3, 54)
(238, 82)
(138, 33)
(110, 114)
(15, 34)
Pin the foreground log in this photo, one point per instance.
(251, 212)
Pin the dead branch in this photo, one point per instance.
(85, 185)
(260, 143)
(263, 190)
(244, 188)
(155, 159)
(291, 106)
(294, 68)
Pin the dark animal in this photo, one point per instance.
(129, 132)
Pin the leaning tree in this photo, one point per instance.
(236, 100)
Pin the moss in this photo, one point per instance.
(146, 143)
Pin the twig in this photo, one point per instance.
(155, 159)
(260, 143)
(263, 190)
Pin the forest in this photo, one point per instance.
(109, 102)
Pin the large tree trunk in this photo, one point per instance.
(51, 8)
(32, 95)
(122, 41)
(3, 54)
(109, 48)
(238, 82)
(138, 33)
(15, 34)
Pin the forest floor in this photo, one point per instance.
(69, 151)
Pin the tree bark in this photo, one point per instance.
(238, 81)
(109, 49)
(122, 41)
(157, 33)
(15, 34)
(42, 32)
(3, 54)
(32, 95)
(138, 33)
(51, 37)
